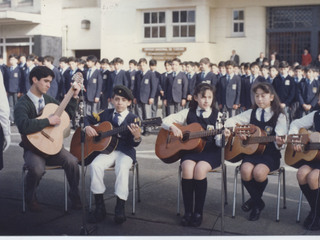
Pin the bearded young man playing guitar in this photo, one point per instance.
(308, 174)
(121, 158)
(26, 113)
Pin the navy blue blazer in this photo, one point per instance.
(247, 99)
(13, 80)
(229, 91)
(131, 76)
(145, 86)
(126, 143)
(191, 83)
(93, 85)
(120, 79)
(176, 88)
(209, 78)
(285, 88)
(106, 84)
(56, 85)
(308, 93)
(68, 78)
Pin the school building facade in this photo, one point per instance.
(160, 29)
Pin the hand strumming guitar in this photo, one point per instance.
(176, 131)
(135, 130)
(91, 132)
(54, 120)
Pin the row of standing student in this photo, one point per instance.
(267, 113)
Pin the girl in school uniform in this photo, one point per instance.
(308, 174)
(268, 115)
(195, 166)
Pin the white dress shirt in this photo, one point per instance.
(122, 116)
(304, 122)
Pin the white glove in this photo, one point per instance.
(7, 141)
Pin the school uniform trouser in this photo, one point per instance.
(122, 164)
(143, 111)
(12, 99)
(1, 147)
(173, 108)
(154, 107)
(92, 107)
(36, 169)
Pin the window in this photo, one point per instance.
(5, 3)
(154, 24)
(169, 25)
(238, 23)
(183, 24)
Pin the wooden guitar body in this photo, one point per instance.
(292, 157)
(93, 145)
(170, 148)
(237, 148)
(49, 141)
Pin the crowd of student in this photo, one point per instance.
(297, 85)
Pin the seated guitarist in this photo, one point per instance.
(268, 115)
(308, 173)
(121, 158)
(26, 111)
(195, 166)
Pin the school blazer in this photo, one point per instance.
(145, 86)
(68, 78)
(192, 83)
(209, 78)
(230, 92)
(121, 79)
(285, 89)
(13, 80)
(131, 76)
(94, 85)
(176, 88)
(308, 94)
(55, 89)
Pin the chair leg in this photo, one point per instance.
(138, 181)
(225, 185)
(284, 188)
(133, 189)
(178, 194)
(278, 195)
(23, 191)
(235, 192)
(65, 193)
(299, 207)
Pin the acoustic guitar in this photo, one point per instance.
(310, 149)
(106, 140)
(170, 148)
(49, 140)
(255, 143)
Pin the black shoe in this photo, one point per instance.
(309, 219)
(119, 211)
(196, 220)
(255, 214)
(247, 206)
(186, 219)
(99, 213)
(75, 201)
(315, 224)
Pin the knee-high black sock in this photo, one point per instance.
(317, 200)
(310, 195)
(187, 194)
(200, 188)
(260, 187)
(250, 186)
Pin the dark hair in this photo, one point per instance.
(72, 59)
(177, 60)
(205, 60)
(134, 62)
(31, 58)
(222, 64)
(49, 59)
(230, 63)
(167, 62)
(40, 72)
(152, 62)
(201, 89)
(275, 104)
(264, 67)
(13, 56)
(104, 61)
(253, 64)
(92, 58)
(63, 59)
(142, 60)
(41, 59)
(283, 64)
(117, 60)
(190, 63)
(197, 64)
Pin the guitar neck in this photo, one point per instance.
(202, 134)
(261, 139)
(64, 102)
(312, 146)
(121, 129)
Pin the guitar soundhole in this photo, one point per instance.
(185, 137)
(245, 142)
(97, 138)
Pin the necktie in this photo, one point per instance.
(228, 78)
(71, 72)
(89, 73)
(174, 74)
(202, 75)
(201, 113)
(308, 81)
(11, 69)
(262, 116)
(40, 105)
(252, 79)
(115, 119)
(189, 76)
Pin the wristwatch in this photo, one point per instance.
(137, 140)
